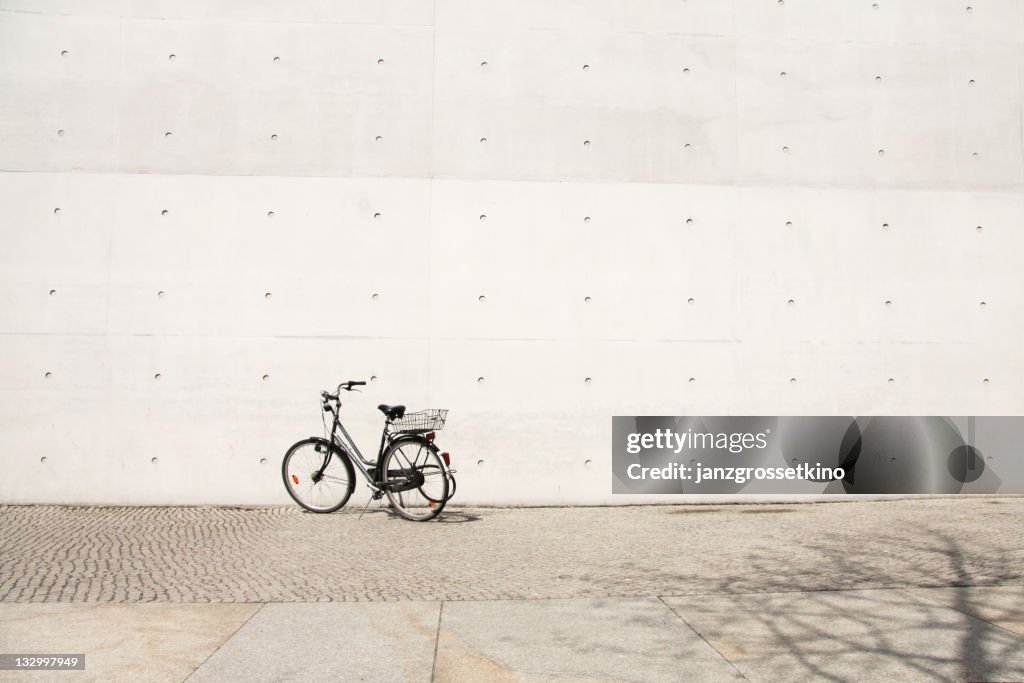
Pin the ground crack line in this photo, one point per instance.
(701, 636)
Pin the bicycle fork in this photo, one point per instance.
(319, 474)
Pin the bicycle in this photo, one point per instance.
(410, 469)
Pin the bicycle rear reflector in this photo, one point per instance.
(447, 459)
(430, 436)
(295, 479)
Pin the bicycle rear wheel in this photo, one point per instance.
(317, 475)
(414, 480)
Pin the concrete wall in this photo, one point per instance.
(212, 210)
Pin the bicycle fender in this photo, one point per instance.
(416, 438)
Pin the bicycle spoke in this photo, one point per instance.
(407, 462)
(329, 491)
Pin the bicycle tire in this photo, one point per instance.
(291, 484)
(430, 504)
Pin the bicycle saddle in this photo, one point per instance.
(392, 412)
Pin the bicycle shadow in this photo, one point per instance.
(446, 517)
(456, 517)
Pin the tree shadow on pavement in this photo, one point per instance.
(881, 632)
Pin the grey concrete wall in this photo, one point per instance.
(212, 210)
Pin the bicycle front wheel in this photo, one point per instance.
(317, 475)
(414, 480)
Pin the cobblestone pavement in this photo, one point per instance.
(82, 554)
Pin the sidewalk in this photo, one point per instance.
(902, 590)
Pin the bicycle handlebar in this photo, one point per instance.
(347, 386)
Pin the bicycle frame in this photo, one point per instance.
(343, 440)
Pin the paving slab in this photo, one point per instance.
(888, 635)
(1002, 606)
(121, 642)
(633, 639)
(329, 642)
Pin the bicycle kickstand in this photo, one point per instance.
(377, 495)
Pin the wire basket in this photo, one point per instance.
(421, 421)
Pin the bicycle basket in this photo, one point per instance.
(421, 421)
